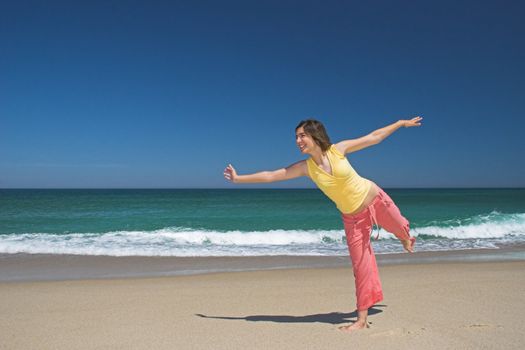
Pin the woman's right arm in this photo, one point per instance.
(295, 170)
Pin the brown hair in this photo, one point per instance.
(316, 130)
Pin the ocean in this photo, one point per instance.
(243, 222)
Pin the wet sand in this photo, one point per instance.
(41, 267)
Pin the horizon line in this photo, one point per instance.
(240, 188)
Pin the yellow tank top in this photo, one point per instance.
(345, 187)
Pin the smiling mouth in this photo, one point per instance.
(302, 147)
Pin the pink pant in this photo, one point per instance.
(383, 212)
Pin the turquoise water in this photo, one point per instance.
(243, 222)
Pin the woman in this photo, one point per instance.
(361, 202)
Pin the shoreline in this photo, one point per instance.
(22, 267)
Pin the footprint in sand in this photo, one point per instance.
(388, 333)
(482, 326)
(394, 332)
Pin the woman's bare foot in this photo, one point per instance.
(354, 326)
(408, 244)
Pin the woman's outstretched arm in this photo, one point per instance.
(375, 137)
(290, 172)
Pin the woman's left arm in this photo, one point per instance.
(376, 136)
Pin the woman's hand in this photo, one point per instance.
(412, 122)
(230, 173)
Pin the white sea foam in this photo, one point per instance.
(494, 225)
(168, 241)
(477, 232)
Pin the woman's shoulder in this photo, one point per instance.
(333, 148)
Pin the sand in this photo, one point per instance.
(440, 305)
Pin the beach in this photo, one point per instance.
(434, 302)
(254, 269)
(194, 175)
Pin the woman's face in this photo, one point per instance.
(304, 141)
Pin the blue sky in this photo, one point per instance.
(165, 94)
